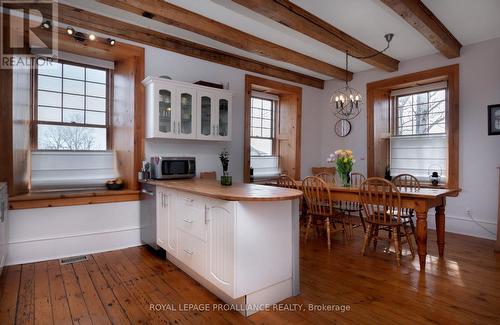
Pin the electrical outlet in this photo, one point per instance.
(468, 213)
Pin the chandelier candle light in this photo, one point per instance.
(344, 160)
(346, 101)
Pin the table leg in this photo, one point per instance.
(421, 237)
(440, 229)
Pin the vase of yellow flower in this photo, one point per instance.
(344, 160)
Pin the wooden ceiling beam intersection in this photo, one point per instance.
(302, 21)
(170, 14)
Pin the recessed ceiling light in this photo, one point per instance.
(92, 37)
(111, 41)
(70, 30)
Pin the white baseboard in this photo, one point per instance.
(463, 226)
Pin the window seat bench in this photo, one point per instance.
(67, 198)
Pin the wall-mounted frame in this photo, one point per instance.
(494, 119)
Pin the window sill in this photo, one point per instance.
(69, 198)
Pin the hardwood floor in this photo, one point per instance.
(118, 287)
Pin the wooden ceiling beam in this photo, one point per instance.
(416, 13)
(293, 16)
(119, 29)
(170, 14)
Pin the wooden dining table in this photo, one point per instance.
(421, 201)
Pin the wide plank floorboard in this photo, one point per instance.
(119, 287)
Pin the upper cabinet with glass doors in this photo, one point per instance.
(179, 110)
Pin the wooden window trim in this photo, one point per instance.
(378, 99)
(127, 131)
(109, 111)
(253, 83)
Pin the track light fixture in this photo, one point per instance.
(46, 24)
(81, 37)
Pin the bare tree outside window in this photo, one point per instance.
(421, 114)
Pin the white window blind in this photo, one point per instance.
(71, 169)
(265, 167)
(419, 156)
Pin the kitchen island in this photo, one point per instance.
(241, 242)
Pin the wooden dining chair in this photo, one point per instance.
(381, 202)
(354, 208)
(408, 183)
(208, 175)
(321, 206)
(327, 176)
(286, 181)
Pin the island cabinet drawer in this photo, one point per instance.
(192, 252)
(191, 215)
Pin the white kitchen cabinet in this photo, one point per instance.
(165, 224)
(220, 245)
(240, 251)
(179, 110)
(214, 117)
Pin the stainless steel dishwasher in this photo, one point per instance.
(148, 215)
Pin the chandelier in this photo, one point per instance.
(346, 101)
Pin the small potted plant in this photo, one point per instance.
(225, 179)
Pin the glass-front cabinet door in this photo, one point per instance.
(206, 116)
(164, 110)
(223, 127)
(185, 121)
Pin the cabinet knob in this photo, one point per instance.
(187, 220)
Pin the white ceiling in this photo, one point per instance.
(367, 20)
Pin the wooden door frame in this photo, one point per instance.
(276, 88)
(377, 93)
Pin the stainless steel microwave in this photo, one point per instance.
(173, 167)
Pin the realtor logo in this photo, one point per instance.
(28, 33)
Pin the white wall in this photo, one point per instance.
(40, 234)
(479, 153)
(183, 68)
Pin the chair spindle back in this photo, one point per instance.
(318, 196)
(381, 201)
(406, 182)
(328, 177)
(286, 182)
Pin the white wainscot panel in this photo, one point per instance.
(51, 233)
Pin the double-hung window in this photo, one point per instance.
(419, 141)
(72, 110)
(263, 151)
(262, 127)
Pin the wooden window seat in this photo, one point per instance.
(68, 198)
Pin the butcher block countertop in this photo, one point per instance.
(235, 192)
